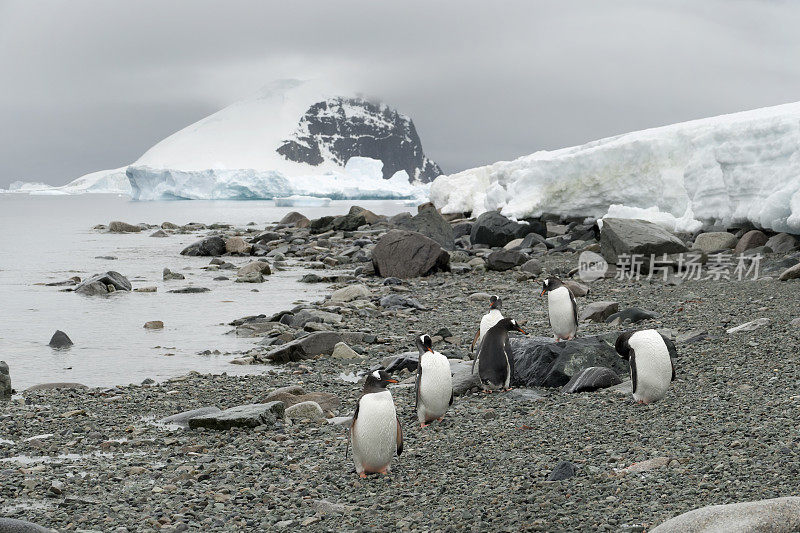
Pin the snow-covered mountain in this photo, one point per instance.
(292, 138)
(742, 167)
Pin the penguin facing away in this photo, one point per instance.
(652, 369)
(376, 434)
(492, 317)
(434, 383)
(562, 308)
(495, 360)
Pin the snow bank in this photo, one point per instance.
(297, 200)
(686, 223)
(743, 167)
(112, 181)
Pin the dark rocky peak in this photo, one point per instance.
(340, 128)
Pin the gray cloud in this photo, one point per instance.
(92, 85)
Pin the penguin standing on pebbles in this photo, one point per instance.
(434, 383)
(561, 308)
(488, 320)
(495, 360)
(652, 368)
(375, 433)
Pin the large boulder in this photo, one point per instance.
(502, 260)
(321, 225)
(777, 515)
(408, 254)
(598, 311)
(321, 342)
(123, 227)
(12, 525)
(295, 219)
(464, 379)
(60, 340)
(258, 267)
(790, 273)
(430, 223)
(5, 381)
(305, 316)
(752, 239)
(182, 419)
(351, 221)
(782, 243)
(237, 245)
(247, 416)
(495, 230)
(592, 379)
(350, 293)
(620, 236)
(99, 284)
(713, 241)
(210, 246)
(540, 362)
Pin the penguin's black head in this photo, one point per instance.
(509, 324)
(551, 284)
(495, 302)
(377, 380)
(424, 344)
(622, 347)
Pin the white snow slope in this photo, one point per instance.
(719, 171)
(104, 181)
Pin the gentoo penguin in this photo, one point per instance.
(652, 368)
(375, 433)
(434, 383)
(561, 307)
(495, 361)
(488, 320)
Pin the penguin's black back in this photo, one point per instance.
(492, 363)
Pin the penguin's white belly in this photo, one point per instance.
(436, 387)
(488, 321)
(375, 434)
(653, 366)
(562, 316)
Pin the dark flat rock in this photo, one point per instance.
(248, 416)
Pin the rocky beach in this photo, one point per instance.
(267, 452)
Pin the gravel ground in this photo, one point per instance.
(727, 431)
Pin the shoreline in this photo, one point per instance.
(720, 435)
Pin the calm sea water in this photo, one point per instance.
(49, 238)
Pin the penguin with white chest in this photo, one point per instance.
(488, 320)
(652, 368)
(562, 308)
(375, 433)
(495, 360)
(434, 383)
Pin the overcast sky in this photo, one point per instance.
(87, 86)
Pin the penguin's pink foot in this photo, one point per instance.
(384, 471)
(362, 475)
(423, 425)
(440, 419)
(508, 389)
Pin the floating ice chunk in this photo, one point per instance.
(297, 200)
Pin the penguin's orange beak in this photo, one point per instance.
(523, 331)
(391, 380)
(430, 350)
(543, 291)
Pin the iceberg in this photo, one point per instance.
(113, 181)
(297, 200)
(725, 170)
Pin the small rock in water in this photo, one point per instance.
(159, 233)
(563, 470)
(5, 381)
(123, 227)
(189, 290)
(151, 288)
(168, 275)
(154, 324)
(60, 340)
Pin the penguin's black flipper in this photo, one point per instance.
(633, 370)
(352, 426)
(451, 398)
(574, 309)
(399, 436)
(672, 362)
(673, 353)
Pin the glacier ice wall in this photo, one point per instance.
(743, 167)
